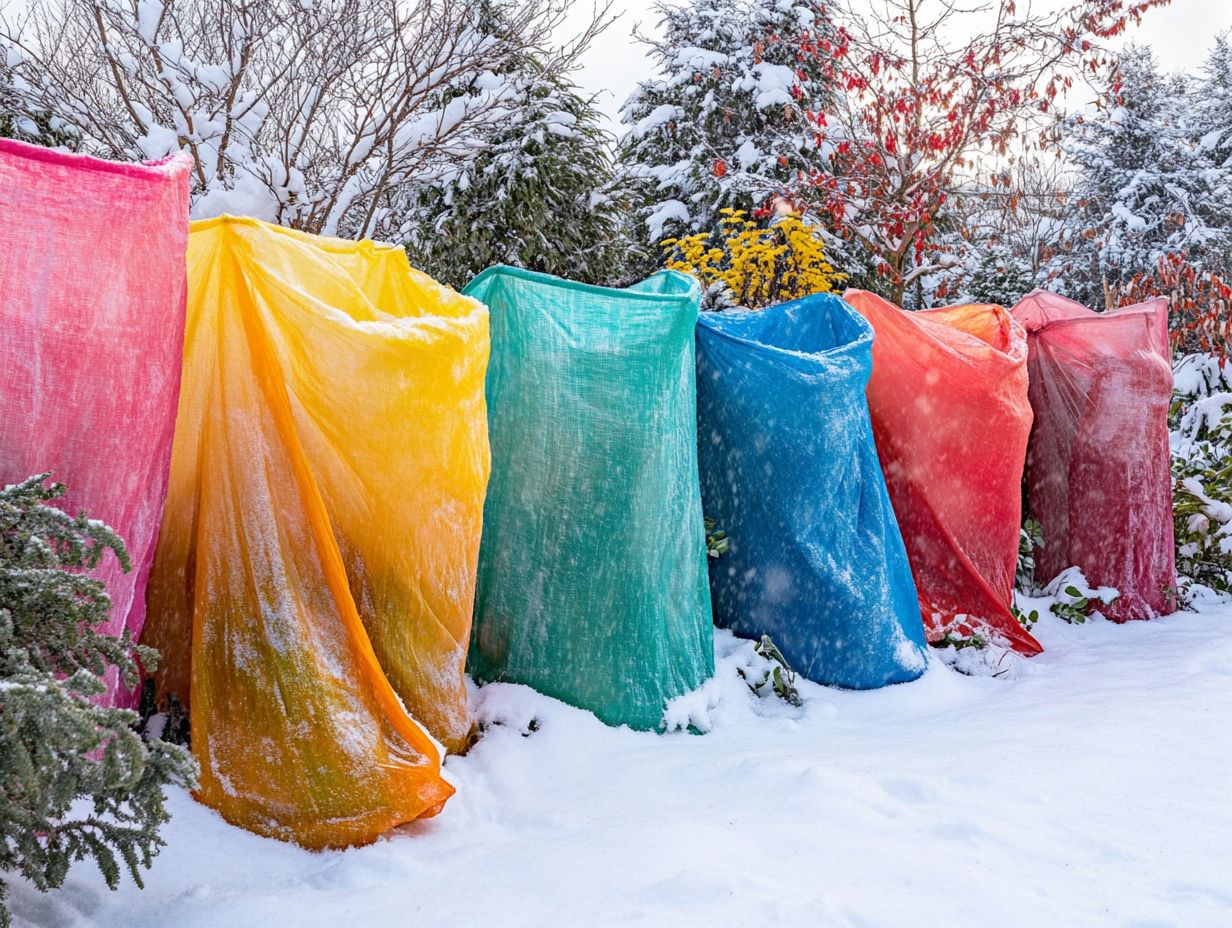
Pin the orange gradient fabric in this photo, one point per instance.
(951, 418)
(314, 580)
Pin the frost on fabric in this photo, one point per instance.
(951, 418)
(1099, 465)
(592, 574)
(303, 598)
(91, 252)
(789, 470)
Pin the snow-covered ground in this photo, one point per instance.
(1086, 787)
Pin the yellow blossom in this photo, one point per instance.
(759, 266)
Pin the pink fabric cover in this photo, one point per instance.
(1098, 464)
(92, 288)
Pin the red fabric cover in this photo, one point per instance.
(948, 398)
(92, 286)
(1098, 466)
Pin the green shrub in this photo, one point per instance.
(772, 674)
(1030, 538)
(76, 780)
(717, 542)
(1202, 472)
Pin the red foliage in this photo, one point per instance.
(915, 110)
(1200, 317)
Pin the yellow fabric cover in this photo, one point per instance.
(322, 530)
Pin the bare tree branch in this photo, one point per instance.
(320, 114)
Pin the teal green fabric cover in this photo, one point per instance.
(592, 580)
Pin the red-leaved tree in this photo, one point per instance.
(1200, 317)
(927, 88)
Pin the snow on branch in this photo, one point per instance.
(316, 114)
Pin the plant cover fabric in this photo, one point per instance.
(789, 470)
(316, 570)
(1099, 465)
(592, 574)
(91, 334)
(951, 417)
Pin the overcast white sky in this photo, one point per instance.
(1180, 35)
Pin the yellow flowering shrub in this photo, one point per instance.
(744, 264)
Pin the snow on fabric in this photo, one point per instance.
(789, 470)
(91, 331)
(948, 398)
(592, 574)
(1098, 466)
(318, 555)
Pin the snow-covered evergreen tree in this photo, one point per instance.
(1144, 187)
(1002, 276)
(1212, 128)
(727, 125)
(1213, 102)
(76, 781)
(543, 195)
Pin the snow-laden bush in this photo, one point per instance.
(1202, 470)
(316, 114)
(750, 678)
(1074, 600)
(768, 674)
(76, 780)
(544, 195)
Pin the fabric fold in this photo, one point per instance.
(789, 471)
(592, 575)
(91, 335)
(313, 588)
(1099, 465)
(951, 417)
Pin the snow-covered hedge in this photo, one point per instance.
(1202, 468)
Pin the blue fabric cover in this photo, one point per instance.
(789, 470)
